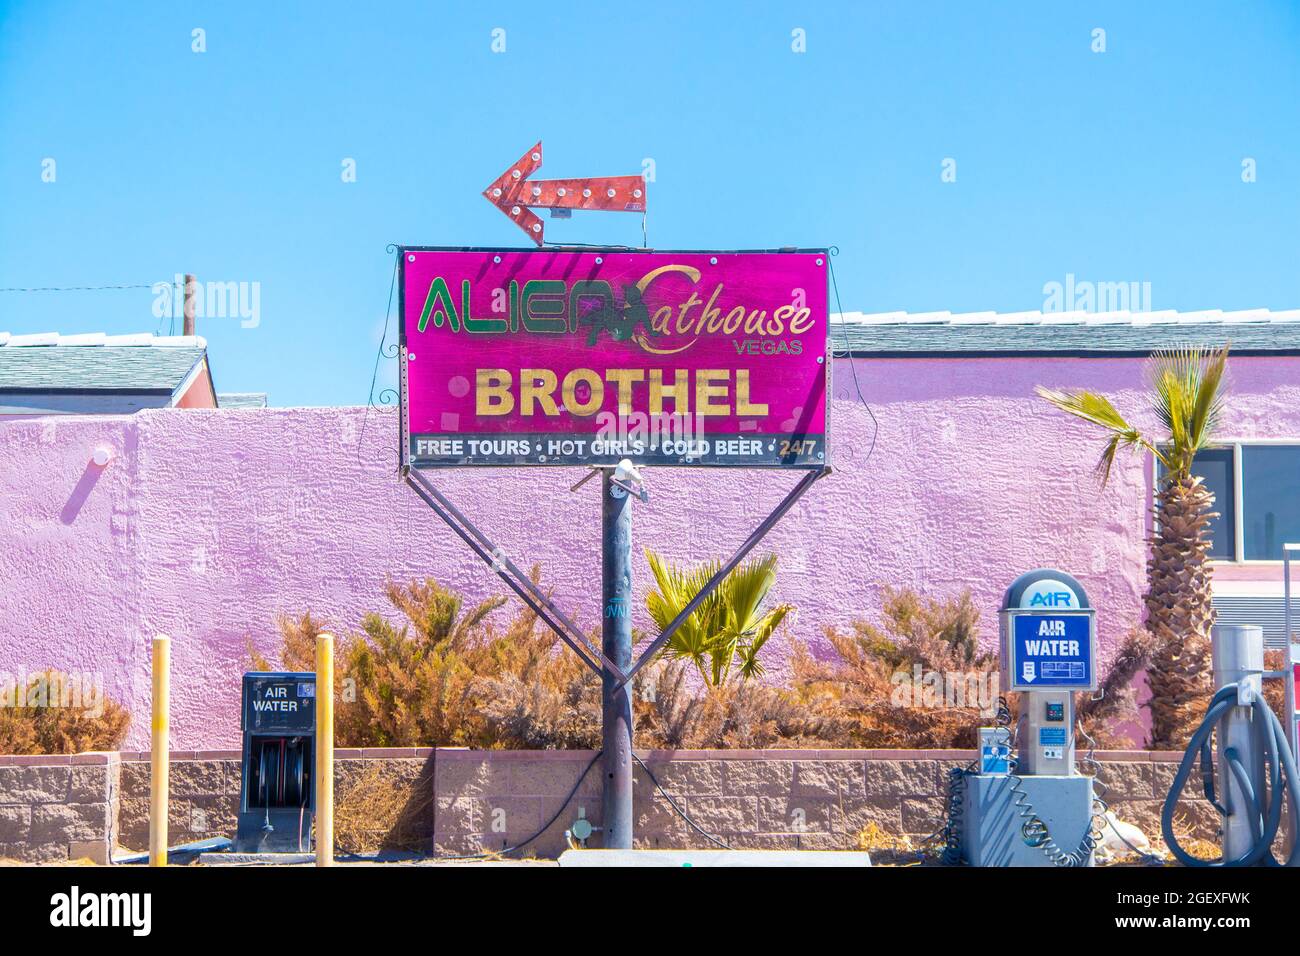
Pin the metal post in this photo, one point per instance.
(616, 644)
(1289, 654)
(159, 754)
(1238, 658)
(324, 750)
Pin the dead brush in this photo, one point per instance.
(379, 811)
(534, 693)
(42, 716)
(1107, 715)
(867, 697)
(447, 676)
(1188, 835)
(670, 714)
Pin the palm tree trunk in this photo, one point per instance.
(1179, 613)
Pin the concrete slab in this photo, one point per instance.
(681, 858)
(256, 859)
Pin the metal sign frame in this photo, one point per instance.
(616, 531)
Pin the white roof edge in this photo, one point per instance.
(101, 339)
(33, 339)
(1159, 317)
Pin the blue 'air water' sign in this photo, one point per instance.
(1052, 650)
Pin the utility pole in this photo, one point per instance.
(187, 327)
(616, 644)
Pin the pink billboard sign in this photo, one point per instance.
(559, 357)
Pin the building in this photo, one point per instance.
(950, 475)
(1255, 474)
(51, 374)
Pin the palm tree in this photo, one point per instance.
(1187, 391)
(729, 627)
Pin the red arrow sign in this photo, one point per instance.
(513, 192)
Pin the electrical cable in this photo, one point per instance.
(77, 288)
(1264, 810)
(848, 354)
(680, 812)
(394, 250)
(543, 828)
(382, 352)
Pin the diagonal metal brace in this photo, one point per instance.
(711, 585)
(520, 583)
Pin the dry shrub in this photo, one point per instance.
(1106, 715)
(1191, 837)
(447, 676)
(379, 811)
(67, 727)
(1274, 690)
(536, 693)
(873, 838)
(864, 696)
(740, 714)
(297, 645)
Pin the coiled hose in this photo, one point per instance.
(1264, 810)
(1033, 830)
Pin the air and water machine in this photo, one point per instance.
(277, 792)
(1028, 804)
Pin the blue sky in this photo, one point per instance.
(1115, 166)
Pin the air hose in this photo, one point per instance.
(1263, 810)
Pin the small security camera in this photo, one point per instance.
(626, 471)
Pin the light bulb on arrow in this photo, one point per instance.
(513, 193)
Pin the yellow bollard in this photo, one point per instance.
(325, 750)
(159, 755)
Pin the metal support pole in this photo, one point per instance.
(159, 754)
(616, 644)
(324, 750)
(1238, 658)
(1289, 654)
(518, 582)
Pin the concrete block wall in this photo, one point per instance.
(59, 808)
(204, 793)
(461, 802)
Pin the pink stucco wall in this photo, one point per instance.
(206, 524)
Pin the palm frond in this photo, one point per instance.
(1098, 409)
(746, 587)
(764, 629)
(1187, 392)
(728, 628)
(1090, 406)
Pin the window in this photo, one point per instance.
(1270, 479)
(1216, 467)
(1256, 519)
